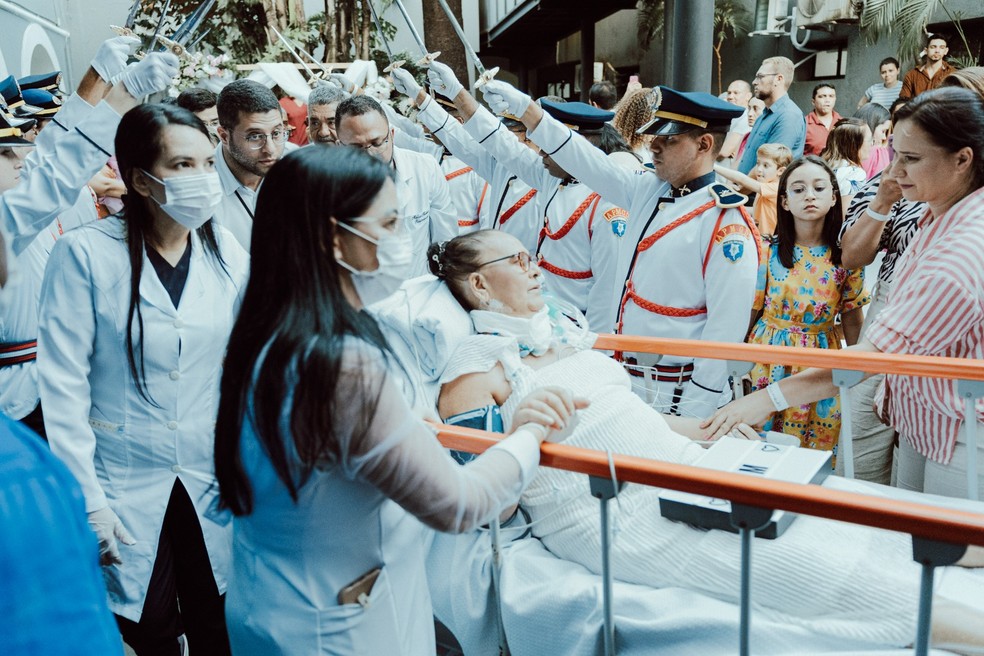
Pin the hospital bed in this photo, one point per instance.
(545, 605)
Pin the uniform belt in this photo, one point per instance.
(661, 373)
(12, 353)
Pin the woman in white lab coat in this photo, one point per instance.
(333, 480)
(135, 314)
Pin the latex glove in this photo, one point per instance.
(404, 82)
(347, 85)
(503, 98)
(443, 81)
(110, 59)
(108, 528)
(150, 75)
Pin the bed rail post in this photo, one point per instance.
(930, 554)
(496, 585)
(970, 391)
(747, 519)
(606, 489)
(845, 379)
(737, 369)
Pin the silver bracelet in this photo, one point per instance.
(881, 218)
(778, 399)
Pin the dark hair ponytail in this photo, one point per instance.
(453, 260)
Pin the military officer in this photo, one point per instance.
(690, 269)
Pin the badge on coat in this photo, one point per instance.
(617, 218)
(732, 239)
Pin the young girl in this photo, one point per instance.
(848, 145)
(879, 121)
(801, 290)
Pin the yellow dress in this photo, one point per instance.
(799, 307)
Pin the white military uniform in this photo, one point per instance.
(75, 146)
(125, 451)
(566, 249)
(469, 193)
(425, 203)
(690, 270)
(514, 206)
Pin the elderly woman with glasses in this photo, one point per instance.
(861, 585)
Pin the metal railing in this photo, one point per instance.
(940, 535)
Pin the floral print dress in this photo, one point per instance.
(799, 306)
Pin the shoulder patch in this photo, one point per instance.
(725, 196)
(616, 213)
(737, 229)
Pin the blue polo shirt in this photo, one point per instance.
(52, 594)
(783, 123)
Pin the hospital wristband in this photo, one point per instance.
(881, 218)
(778, 399)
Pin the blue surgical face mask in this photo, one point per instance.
(394, 252)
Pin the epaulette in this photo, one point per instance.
(725, 196)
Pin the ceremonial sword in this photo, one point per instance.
(314, 76)
(183, 34)
(382, 37)
(483, 75)
(131, 18)
(428, 56)
(160, 23)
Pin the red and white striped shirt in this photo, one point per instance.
(936, 307)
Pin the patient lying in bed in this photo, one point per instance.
(826, 576)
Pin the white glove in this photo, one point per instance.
(150, 75)
(405, 83)
(443, 81)
(503, 98)
(108, 528)
(110, 59)
(347, 85)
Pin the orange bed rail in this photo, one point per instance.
(926, 521)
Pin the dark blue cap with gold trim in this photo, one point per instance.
(579, 116)
(44, 103)
(11, 92)
(45, 81)
(676, 112)
(11, 134)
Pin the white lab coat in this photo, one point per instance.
(672, 272)
(125, 451)
(506, 190)
(425, 203)
(238, 206)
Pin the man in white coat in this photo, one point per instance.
(422, 191)
(692, 250)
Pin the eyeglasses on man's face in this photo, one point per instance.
(257, 140)
(374, 146)
(762, 76)
(523, 259)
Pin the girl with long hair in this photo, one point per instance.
(802, 289)
(135, 313)
(848, 145)
(332, 478)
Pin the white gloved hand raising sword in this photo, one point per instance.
(503, 98)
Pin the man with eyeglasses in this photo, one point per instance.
(422, 191)
(781, 122)
(252, 138)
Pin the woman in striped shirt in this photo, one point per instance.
(937, 302)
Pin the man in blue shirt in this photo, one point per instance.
(781, 121)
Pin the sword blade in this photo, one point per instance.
(379, 29)
(160, 23)
(413, 29)
(291, 50)
(461, 37)
(193, 22)
(131, 18)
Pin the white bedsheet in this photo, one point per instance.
(551, 606)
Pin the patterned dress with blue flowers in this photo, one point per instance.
(799, 306)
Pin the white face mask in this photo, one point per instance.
(534, 334)
(394, 252)
(191, 199)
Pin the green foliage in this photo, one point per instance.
(651, 20)
(908, 20)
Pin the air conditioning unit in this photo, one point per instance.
(817, 13)
(771, 18)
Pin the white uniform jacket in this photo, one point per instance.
(469, 194)
(567, 251)
(125, 451)
(706, 267)
(514, 206)
(425, 203)
(235, 214)
(65, 161)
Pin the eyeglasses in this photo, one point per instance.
(760, 76)
(522, 258)
(373, 146)
(258, 140)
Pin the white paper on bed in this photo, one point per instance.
(551, 606)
